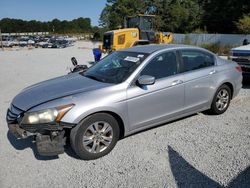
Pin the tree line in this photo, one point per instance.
(79, 25)
(179, 16)
(182, 16)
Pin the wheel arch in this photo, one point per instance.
(225, 82)
(230, 85)
(117, 118)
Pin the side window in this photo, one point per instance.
(194, 59)
(121, 39)
(161, 66)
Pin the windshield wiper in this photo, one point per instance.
(94, 78)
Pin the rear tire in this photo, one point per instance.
(221, 100)
(95, 136)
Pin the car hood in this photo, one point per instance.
(55, 88)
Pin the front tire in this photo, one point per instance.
(221, 100)
(95, 136)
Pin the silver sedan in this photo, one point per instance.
(126, 92)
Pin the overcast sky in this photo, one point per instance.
(45, 10)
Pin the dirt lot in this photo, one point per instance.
(198, 151)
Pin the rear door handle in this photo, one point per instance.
(212, 72)
(176, 82)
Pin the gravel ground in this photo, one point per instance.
(198, 151)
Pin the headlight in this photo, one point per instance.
(46, 116)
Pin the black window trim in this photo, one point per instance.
(133, 83)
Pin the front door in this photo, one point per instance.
(153, 104)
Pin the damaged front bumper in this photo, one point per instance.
(49, 137)
(50, 143)
(19, 132)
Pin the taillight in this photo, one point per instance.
(238, 68)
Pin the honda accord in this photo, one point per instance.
(125, 92)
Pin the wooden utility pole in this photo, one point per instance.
(1, 39)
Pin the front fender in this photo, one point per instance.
(76, 115)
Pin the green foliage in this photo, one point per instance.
(218, 48)
(220, 15)
(243, 25)
(79, 25)
(200, 31)
(114, 13)
(98, 33)
(171, 15)
(180, 16)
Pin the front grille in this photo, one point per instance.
(13, 114)
(41, 127)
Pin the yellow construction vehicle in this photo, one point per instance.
(138, 30)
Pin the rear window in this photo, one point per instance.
(195, 59)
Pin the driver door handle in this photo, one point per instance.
(176, 82)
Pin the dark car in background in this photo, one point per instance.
(60, 43)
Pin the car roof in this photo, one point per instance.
(157, 47)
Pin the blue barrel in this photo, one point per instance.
(97, 54)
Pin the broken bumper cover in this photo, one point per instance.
(49, 137)
(24, 131)
(18, 132)
(49, 144)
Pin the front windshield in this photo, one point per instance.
(116, 67)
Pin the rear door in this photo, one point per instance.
(197, 68)
(151, 104)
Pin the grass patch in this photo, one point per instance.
(218, 48)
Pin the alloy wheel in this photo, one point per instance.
(97, 137)
(222, 99)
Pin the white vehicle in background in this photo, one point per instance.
(31, 42)
(241, 55)
(26, 41)
(71, 39)
(42, 44)
(8, 43)
(23, 41)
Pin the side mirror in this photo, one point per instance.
(74, 61)
(146, 80)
